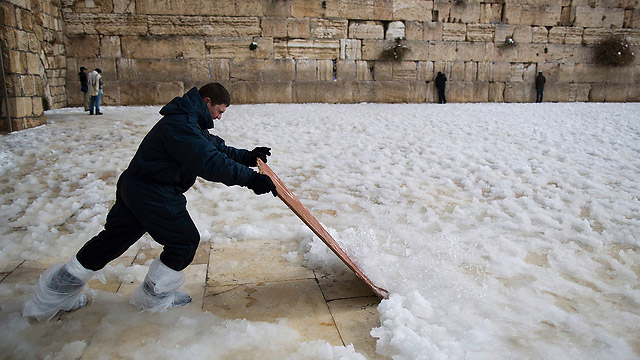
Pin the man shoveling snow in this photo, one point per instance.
(149, 199)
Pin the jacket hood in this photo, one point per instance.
(192, 104)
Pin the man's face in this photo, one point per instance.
(216, 110)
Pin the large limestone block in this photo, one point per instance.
(539, 35)
(205, 26)
(405, 70)
(260, 92)
(496, 92)
(615, 93)
(395, 30)
(110, 47)
(364, 70)
(414, 30)
(83, 46)
(432, 31)
(366, 30)
(363, 9)
(306, 70)
(308, 49)
(587, 16)
(594, 36)
(329, 28)
(519, 92)
(279, 70)
(568, 53)
(490, 13)
(472, 51)
(503, 32)
(465, 12)
(298, 28)
(140, 47)
(480, 32)
(186, 7)
(219, 69)
(522, 34)
(442, 51)
(350, 49)
(566, 92)
(233, 48)
(105, 24)
(21, 106)
(454, 32)
(326, 70)
(155, 70)
(346, 70)
(501, 72)
(425, 71)
(464, 92)
(457, 71)
(441, 10)
(533, 14)
(383, 71)
(274, 27)
(418, 10)
(246, 69)
(470, 71)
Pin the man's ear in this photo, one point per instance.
(207, 100)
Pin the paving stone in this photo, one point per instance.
(300, 302)
(345, 284)
(252, 262)
(355, 318)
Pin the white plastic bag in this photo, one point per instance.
(158, 290)
(59, 288)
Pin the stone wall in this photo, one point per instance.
(34, 60)
(330, 51)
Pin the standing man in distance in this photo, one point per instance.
(149, 199)
(441, 82)
(540, 80)
(84, 87)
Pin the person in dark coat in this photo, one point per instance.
(441, 81)
(149, 199)
(84, 87)
(540, 80)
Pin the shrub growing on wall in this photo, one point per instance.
(395, 52)
(614, 51)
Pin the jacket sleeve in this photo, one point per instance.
(189, 146)
(239, 155)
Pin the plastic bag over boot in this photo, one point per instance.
(158, 291)
(59, 288)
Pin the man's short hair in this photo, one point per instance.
(216, 92)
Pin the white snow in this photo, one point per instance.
(503, 231)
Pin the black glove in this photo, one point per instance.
(261, 153)
(262, 184)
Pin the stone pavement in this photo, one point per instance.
(241, 280)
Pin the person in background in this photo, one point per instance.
(149, 199)
(84, 87)
(441, 81)
(540, 80)
(95, 91)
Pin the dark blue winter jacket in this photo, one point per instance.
(179, 148)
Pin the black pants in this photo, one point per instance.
(140, 208)
(441, 98)
(539, 93)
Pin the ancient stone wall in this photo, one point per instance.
(34, 59)
(331, 51)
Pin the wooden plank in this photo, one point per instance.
(296, 206)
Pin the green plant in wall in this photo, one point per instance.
(395, 52)
(614, 51)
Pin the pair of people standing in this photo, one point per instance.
(91, 86)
